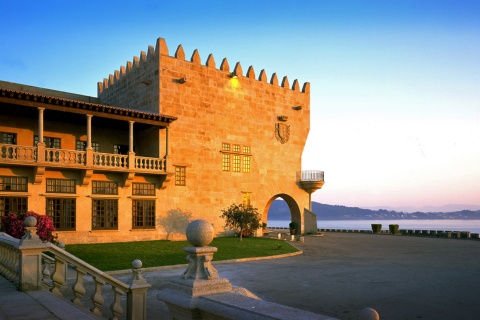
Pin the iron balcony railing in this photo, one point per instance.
(310, 175)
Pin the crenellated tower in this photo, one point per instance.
(238, 137)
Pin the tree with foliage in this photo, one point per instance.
(241, 217)
(13, 225)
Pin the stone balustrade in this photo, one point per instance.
(110, 160)
(24, 262)
(12, 152)
(9, 258)
(64, 157)
(145, 163)
(28, 155)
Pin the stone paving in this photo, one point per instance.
(337, 275)
(16, 305)
(340, 274)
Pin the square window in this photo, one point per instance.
(180, 176)
(104, 187)
(62, 212)
(225, 146)
(143, 214)
(104, 214)
(143, 189)
(236, 163)
(50, 142)
(246, 163)
(14, 184)
(226, 162)
(246, 198)
(82, 146)
(61, 186)
(13, 205)
(8, 138)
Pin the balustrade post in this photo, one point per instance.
(30, 262)
(116, 307)
(167, 164)
(47, 274)
(78, 288)
(131, 160)
(137, 295)
(89, 157)
(40, 152)
(59, 276)
(97, 297)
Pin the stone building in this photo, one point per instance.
(166, 141)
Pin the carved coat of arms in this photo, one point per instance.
(282, 132)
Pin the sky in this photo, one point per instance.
(395, 85)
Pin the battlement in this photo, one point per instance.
(161, 49)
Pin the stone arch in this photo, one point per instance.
(295, 212)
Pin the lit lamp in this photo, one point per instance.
(233, 75)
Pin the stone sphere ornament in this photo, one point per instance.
(136, 264)
(30, 221)
(199, 233)
(369, 314)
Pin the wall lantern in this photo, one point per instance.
(182, 80)
(297, 108)
(233, 75)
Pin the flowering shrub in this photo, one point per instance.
(12, 224)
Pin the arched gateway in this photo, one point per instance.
(295, 212)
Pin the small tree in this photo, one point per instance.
(241, 217)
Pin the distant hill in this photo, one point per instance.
(444, 208)
(279, 211)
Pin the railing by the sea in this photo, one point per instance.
(453, 234)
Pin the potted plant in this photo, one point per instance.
(393, 228)
(293, 226)
(376, 227)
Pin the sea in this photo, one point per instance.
(414, 224)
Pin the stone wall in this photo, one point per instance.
(214, 108)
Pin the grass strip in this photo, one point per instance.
(119, 255)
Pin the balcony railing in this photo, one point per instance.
(110, 160)
(310, 175)
(65, 157)
(11, 152)
(27, 155)
(149, 163)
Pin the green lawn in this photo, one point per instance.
(119, 256)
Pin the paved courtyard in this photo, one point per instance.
(339, 274)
